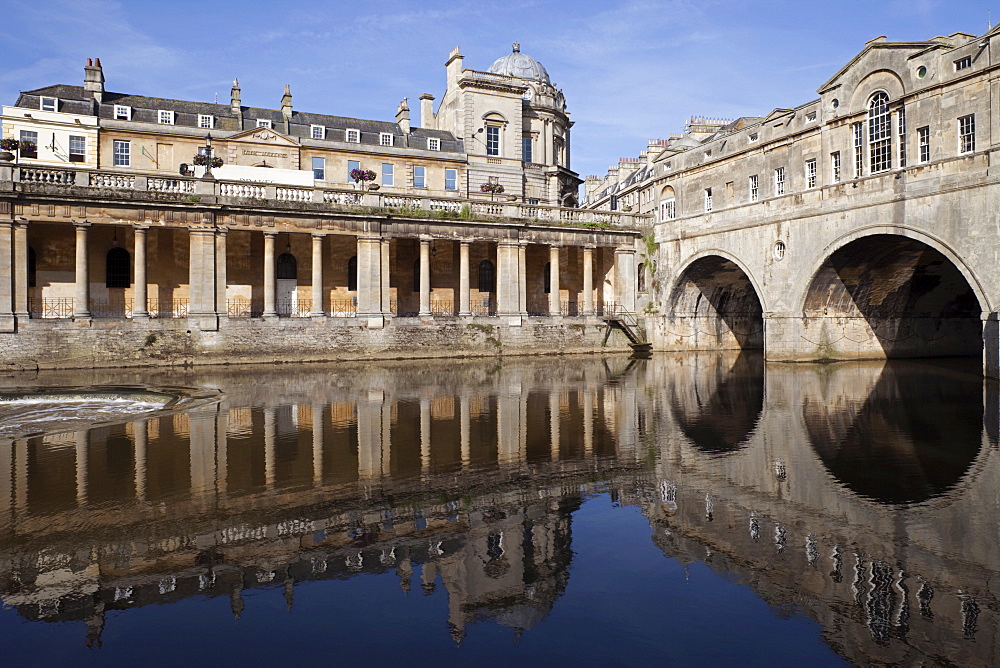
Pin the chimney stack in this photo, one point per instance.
(286, 109)
(93, 79)
(235, 106)
(403, 116)
(427, 111)
(454, 66)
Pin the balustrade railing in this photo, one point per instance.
(169, 185)
(106, 180)
(57, 176)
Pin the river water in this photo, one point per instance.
(679, 510)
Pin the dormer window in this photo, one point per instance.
(317, 132)
(49, 104)
(206, 121)
(385, 139)
(164, 117)
(123, 113)
(963, 63)
(263, 123)
(353, 136)
(433, 144)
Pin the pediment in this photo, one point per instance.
(876, 55)
(265, 136)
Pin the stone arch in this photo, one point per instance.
(892, 292)
(716, 304)
(879, 80)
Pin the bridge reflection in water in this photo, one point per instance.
(861, 494)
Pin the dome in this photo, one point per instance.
(517, 64)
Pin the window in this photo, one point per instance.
(164, 117)
(835, 166)
(77, 148)
(116, 268)
(668, 210)
(31, 137)
(859, 154)
(963, 63)
(433, 144)
(387, 174)
(352, 273)
(419, 177)
(779, 181)
(811, 173)
(317, 132)
(48, 104)
(319, 169)
(708, 199)
(924, 143)
(966, 134)
(385, 139)
(352, 136)
(526, 149)
(901, 129)
(879, 133)
(123, 113)
(752, 183)
(492, 140)
(122, 154)
(286, 267)
(351, 166)
(451, 179)
(206, 121)
(487, 277)
(263, 123)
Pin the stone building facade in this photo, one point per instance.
(856, 225)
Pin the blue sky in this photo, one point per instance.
(631, 70)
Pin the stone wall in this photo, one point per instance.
(65, 344)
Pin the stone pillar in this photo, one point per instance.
(221, 274)
(522, 278)
(370, 409)
(269, 281)
(201, 278)
(464, 296)
(386, 298)
(555, 308)
(140, 301)
(140, 438)
(317, 443)
(21, 270)
(425, 277)
(370, 280)
(588, 280)
(508, 291)
(625, 279)
(7, 278)
(81, 303)
(82, 466)
(317, 277)
(202, 445)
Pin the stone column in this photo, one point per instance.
(317, 277)
(140, 437)
(555, 308)
(140, 299)
(7, 279)
(508, 292)
(370, 279)
(221, 274)
(588, 280)
(464, 296)
(522, 278)
(317, 443)
(201, 278)
(269, 281)
(21, 270)
(386, 294)
(82, 465)
(625, 279)
(202, 449)
(425, 277)
(81, 303)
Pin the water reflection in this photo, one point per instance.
(860, 495)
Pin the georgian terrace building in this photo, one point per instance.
(111, 225)
(858, 225)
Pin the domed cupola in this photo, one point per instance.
(517, 64)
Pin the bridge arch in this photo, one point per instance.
(890, 291)
(715, 304)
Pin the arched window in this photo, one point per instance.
(487, 277)
(116, 268)
(286, 266)
(32, 264)
(641, 275)
(547, 278)
(668, 207)
(879, 132)
(352, 273)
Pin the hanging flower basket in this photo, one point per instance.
(492, 188)
(362, 175)
(11, 144)
(201, 159)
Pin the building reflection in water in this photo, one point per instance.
(860, 493)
